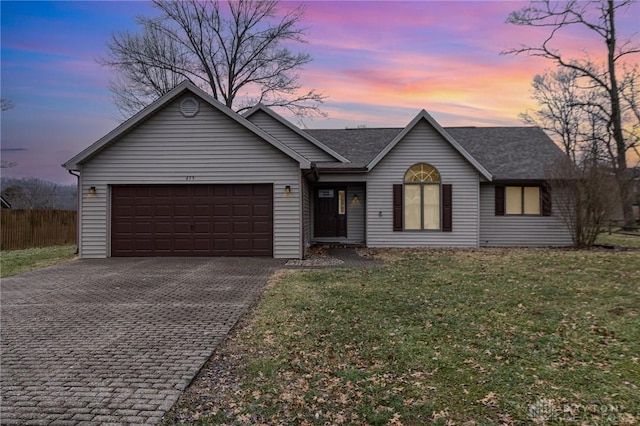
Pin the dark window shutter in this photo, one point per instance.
(545, 193)
(447, 208)
(499, 200)
(397, 207)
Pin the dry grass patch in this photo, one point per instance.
(436, 336)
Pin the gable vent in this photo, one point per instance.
(189, 107)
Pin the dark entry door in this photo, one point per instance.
(330, 213)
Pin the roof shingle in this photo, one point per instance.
(508, 153)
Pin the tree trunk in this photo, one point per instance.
(616, 121)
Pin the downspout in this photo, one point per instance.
(78, 195)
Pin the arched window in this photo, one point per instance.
(422, 198)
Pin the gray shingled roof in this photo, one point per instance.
(508, 153)
(360, 146)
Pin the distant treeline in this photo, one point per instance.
(38, 194)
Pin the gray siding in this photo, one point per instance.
(209, 148)
(289, 137)
(356, 221)
(518, 230)
(423, 144)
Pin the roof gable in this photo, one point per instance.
(286, 123)
(149, 111)
(424, 115)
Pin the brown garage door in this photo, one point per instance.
(192, 220)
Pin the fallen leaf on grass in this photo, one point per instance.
(395, 420)
(440, 415)
(490, 400)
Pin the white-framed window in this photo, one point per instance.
(522, 200)
(422, 198)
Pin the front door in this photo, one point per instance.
(330, 215)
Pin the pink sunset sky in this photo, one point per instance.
(378, 63)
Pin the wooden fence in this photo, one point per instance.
(23, 229)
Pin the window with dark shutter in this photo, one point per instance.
(397, 207)
(422, 199)
(546, 200)
(447, 208)
(499, 200)
(522, 200)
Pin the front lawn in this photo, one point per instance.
(17, 261)
(630, 240)
(443, 336)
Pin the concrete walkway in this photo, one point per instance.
(115, 341)
(333, 257)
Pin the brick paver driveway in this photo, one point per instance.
(116, 340)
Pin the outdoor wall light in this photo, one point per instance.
(92, 191)
(355, 199)
(287, 191)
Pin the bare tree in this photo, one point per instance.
(557, 93)
(5, 164)
(35, 194)
(599, 17)
(586, 197)
(6, 104)
(566, 111)
(239, 55)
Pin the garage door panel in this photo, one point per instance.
(262, 191)
(181, 220)
(222, 227)
(124, 211)
(162, 228)
(221, 190)
(143, 244)
(182, 191)
(241, 210)
(262, 244)
(163, 244)
(140, 191)
(241, 228)
(163, 210)
(261, 210)
(261, 228)
(241, 191)
(201, 225)
(162, 192)
(202, 210)
(181, 227)
(142, 211)
(183, 210)
(221, 210)
(222, 244)
(142, 228)
(201, 245)
(201, 191)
